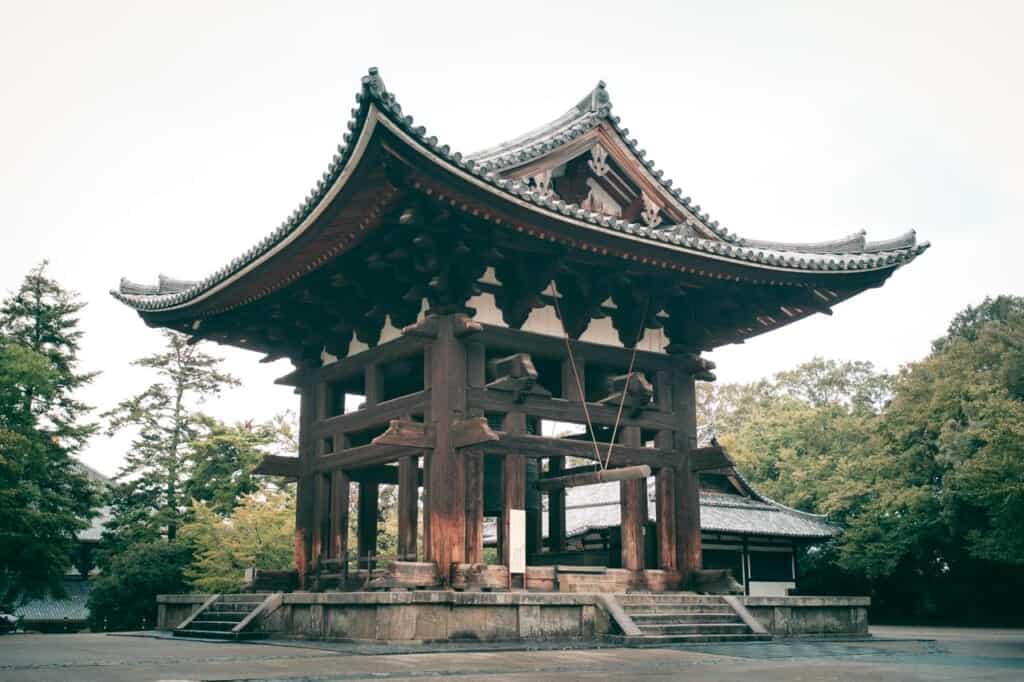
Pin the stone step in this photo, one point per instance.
(247, 597)
(659, 640)
(669, 609)
(219, 634)
(204, 624)
(692, 617)
(227, 613)
(696, 629)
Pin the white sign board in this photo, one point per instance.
(517, 540)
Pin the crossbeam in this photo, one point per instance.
(277, 465)
(594, 477)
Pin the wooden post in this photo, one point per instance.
(305, 488)
(366, 523)
(320, 511)
(633, 508)
(513, 483)
(339, 516)
(408, 507)
(556, 508)
(664, 486)
(427, 545)
(687, 483)
(474, 464)
(446, 479)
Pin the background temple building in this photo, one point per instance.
(445, 312)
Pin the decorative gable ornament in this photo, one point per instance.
(599, 161)
(542, 184)
(652, 212)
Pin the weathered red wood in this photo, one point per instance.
(664, 483)
(408, 507)
(340, 489)
(686, 481)
(474, 465)
(633, 509)
(555, 481)
(305, 489)
(513, 482)
(446, 480)
(321, 510)
(366, 522)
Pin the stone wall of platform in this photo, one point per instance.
(809, 616)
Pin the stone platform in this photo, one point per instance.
(425, 616)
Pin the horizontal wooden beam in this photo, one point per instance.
(540, 446)
(277, 465)
(559, 409)
(374, 415)
(472, 431)
(362, 456)
(408, 434)
(708, 458)
(396, 349)
(631, 473)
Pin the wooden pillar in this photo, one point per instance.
(664, 484)
(446, 478)
(474, 464)
(321, 509)
(686, 482)
(513, 483)
(633, 508)
(305, 488)
(408, 506)
(427, 550)
(556, 508)
(339, 516)
(366, 523)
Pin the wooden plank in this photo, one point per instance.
(340, 490)
(373, 415)
(594, 477)
(407, 434)
(559, 409)
(474, 466)
(278, 465)
(708, 458)
(633, 511)
(362, 456)
(408, 507)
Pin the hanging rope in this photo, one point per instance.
(602, 462)
(576, 373)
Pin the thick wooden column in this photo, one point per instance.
(513, 483)
(633, 509)
(321, 509)
(339, 516)
(474, 464)
(556, 508)
(305, 488)
(366, 523)
(408, 506)
(687, 484)
(446, 478)
(664, 485)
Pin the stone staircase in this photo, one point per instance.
(679, 618)
(227, 616)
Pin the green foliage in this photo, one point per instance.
(924, 469)
(44, 496)
(150, 499)
(221, 461)
(123, 597)
(259, 532)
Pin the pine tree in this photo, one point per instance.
(149, 501)
(45, 498)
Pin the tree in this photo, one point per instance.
(259, 533)
(222, 459)
(45, 499)
(123, 597)
(149, 500)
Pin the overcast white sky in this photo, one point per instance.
(140, 138)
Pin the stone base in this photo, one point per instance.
(810, 616)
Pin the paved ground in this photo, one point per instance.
(895, 654)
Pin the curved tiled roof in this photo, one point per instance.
(169, 293)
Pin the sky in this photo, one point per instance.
(146, 138)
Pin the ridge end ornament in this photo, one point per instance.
(598, 162)
(542, 184)
(651, 213)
